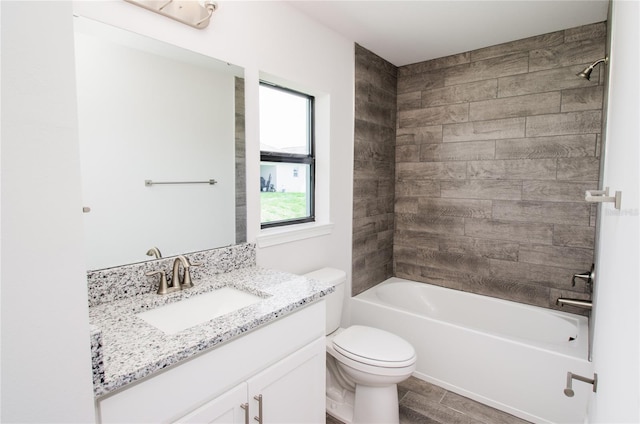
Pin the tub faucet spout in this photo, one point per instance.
(580, 303)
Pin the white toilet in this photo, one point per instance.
(364, 364)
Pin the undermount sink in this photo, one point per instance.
(178, 316)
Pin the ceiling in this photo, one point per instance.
(405, 32)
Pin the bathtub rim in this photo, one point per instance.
(578, 348)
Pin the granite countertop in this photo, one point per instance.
(125, 348)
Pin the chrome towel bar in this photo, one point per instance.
(150, 182)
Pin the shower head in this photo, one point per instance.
(586, 72)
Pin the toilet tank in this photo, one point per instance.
(333, 300)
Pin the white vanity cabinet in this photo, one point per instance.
(284, 361)
(286, 392)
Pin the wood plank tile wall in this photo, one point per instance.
(374, 169)
(494, 151)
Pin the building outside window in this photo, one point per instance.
(287, 160)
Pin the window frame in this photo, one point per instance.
(295, 158)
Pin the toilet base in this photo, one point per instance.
(341, 409)
(369, 405)
(375, 405)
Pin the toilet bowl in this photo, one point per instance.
(364, 364)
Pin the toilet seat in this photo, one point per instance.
(374, 347)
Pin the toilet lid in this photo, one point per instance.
(374, 346)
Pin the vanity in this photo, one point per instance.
(179, 182)
(262, 363)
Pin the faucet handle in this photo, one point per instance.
(587, 276)
(186, 279)
(163, 287)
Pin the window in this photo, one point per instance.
(287, 161)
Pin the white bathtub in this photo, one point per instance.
(511, 356)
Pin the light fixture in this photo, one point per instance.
(586, 72)
(196, 14)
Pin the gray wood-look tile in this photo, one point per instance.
(479, 411)
(586, 32)
(464, 208)
(492, 151)
(431, 170)
(408, 153)
(409, 101)
(406, 205)
(374, 131)
(578, 145)
(457, 262)
(484, 130)
(541, 277)
(485, 248)
(584, 122)
(574, 236)
(433, 115)
(365, 187)
(554, 191)
(421, 81)
(563, 257)
(436, 276)
(435, 64)
(374, 169)
(482, 189)
(508, 288)
(508, 230)
(579, 169)
(543, 81)
(414, 407)
(368, 151)
(542, 212)
(462, 93)
(512, 107)
(418, 135)
(518, 169)
(374, 111)
(512, 64)
(430, 224)
(416, 239)
(429, 188)
(586, 98)
(445, 152)
(526, 44)
(566, 54)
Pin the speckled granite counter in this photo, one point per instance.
(125, 348)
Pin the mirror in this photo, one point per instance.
(148, 110)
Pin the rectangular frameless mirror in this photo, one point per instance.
(148, 110)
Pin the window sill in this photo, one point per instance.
(280, 235)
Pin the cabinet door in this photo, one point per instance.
(293, 389)
(225, 409)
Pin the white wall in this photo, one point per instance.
(616, 349)
(46, 366)
(46, 363)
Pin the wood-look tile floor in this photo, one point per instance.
(425, 403)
